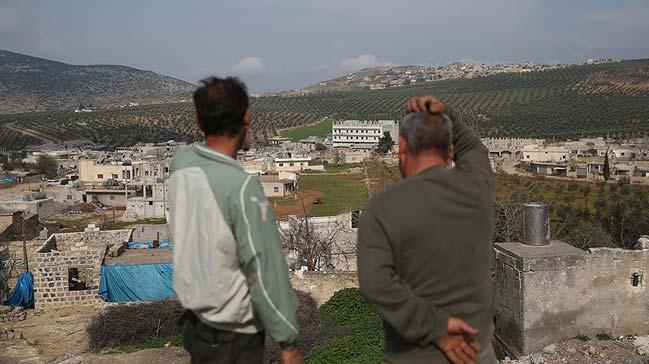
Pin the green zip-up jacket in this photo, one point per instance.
(229, 268)
(424, 253)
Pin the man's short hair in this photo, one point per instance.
(221, 104)
(426, 131)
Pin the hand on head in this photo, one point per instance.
(458, 344)
(427, 103)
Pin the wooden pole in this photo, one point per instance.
(22, 232)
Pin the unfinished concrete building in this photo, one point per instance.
(549, 292)
(152, 204)
(67, 267)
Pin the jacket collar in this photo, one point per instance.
(210, 153)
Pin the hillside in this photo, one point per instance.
(29, 84)
(384, 77)
(598, 99)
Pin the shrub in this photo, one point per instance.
(311, 331)
(357, 331)
(135, 324)
(604, 336)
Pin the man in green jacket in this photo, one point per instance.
(230, 273)
(424, 245)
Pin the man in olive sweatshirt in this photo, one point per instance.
(424, 245)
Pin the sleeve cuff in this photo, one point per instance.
(287, 345)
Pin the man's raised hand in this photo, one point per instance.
(427, 103)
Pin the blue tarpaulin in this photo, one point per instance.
(163, 244)
(23, 293)
(7, 179)
(137, 282)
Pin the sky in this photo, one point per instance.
(284, 44)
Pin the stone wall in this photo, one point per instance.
(547, 294)
(67, 267)
(321, 286)
(52, 281)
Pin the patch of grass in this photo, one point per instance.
(582, 337)
(335, 168)
(357, 331)
(124, 224)
(604, 336)
(320, 129)
(340, 193)
(149, 344)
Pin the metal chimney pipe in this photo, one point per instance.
(536, 224)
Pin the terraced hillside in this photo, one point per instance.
(610, 98)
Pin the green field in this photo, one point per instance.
(320, 129)
(340, 193)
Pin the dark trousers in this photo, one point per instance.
(208, 345)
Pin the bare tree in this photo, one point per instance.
(509, 213)
(320, 244)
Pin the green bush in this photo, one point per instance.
(357, 328)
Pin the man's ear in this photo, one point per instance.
(451, 154)
(403, 145)
(246, 118)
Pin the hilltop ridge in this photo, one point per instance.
(30, 84)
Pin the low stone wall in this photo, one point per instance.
(321, 286)
(548, 294)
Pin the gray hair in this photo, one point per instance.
(427, 132)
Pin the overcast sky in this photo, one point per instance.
(283, 44)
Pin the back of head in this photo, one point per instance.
(221, 104)
(427, 133)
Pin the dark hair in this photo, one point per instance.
(426, 131)
(220, 105)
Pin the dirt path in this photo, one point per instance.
(59, 336)
(41, 137)
(172, 355)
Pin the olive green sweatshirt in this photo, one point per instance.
(424, 253)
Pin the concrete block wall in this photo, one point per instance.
(51, 279)
(548, 294)
(63, 252)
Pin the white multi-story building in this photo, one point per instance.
(362, 134)
(538, 153)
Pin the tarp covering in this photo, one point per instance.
(163, 244)
(7, 179)
(23, 293)
(138, 282)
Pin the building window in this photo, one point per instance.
(356, 215)
(100, 176)
(291, 164)
(275, 189)
(115, 176)
(80, 279)
(111, 197)
(150, 203)
(281, 164)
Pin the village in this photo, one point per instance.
(96, 234)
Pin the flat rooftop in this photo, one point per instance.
(141, 256)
